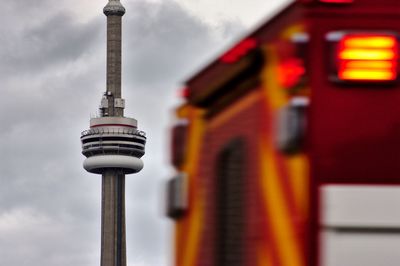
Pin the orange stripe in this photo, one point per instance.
(267, 245)
(189, 230)
(285, 183)
(274, 95)
(295, 220)
(299, 173)
(274, 198)
(290, 31)
(191, 245)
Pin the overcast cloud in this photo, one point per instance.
(52, 75)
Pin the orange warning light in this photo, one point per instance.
(367, 57)
(290, 72)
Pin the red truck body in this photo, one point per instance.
(299, 117)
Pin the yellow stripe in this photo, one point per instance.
(192, 240)
(275, 95)
(299, 173)
(289, 250)
(288, 33)
(183, 111)
(194, 143)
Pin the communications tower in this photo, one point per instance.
(113, 146)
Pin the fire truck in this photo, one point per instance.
(287, 146)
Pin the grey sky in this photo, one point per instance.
(52, 74)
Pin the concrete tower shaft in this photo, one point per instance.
(113, 232)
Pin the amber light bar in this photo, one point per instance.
(367, 57)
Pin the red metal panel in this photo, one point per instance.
(354, 128)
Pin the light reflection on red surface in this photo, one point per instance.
(240, 50)
(290, 72)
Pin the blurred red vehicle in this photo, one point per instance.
(287, 148)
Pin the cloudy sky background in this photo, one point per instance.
(52, 75)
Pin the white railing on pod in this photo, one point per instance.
(119, 131)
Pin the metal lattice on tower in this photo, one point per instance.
(113, 146)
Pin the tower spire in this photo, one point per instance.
(114, 7)
(114, 11)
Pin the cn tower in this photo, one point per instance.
(113, 146)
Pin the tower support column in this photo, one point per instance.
(113, 235)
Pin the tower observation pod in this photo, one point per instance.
(113, 142)
(113, 146)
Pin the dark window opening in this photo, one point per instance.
(230, 206)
